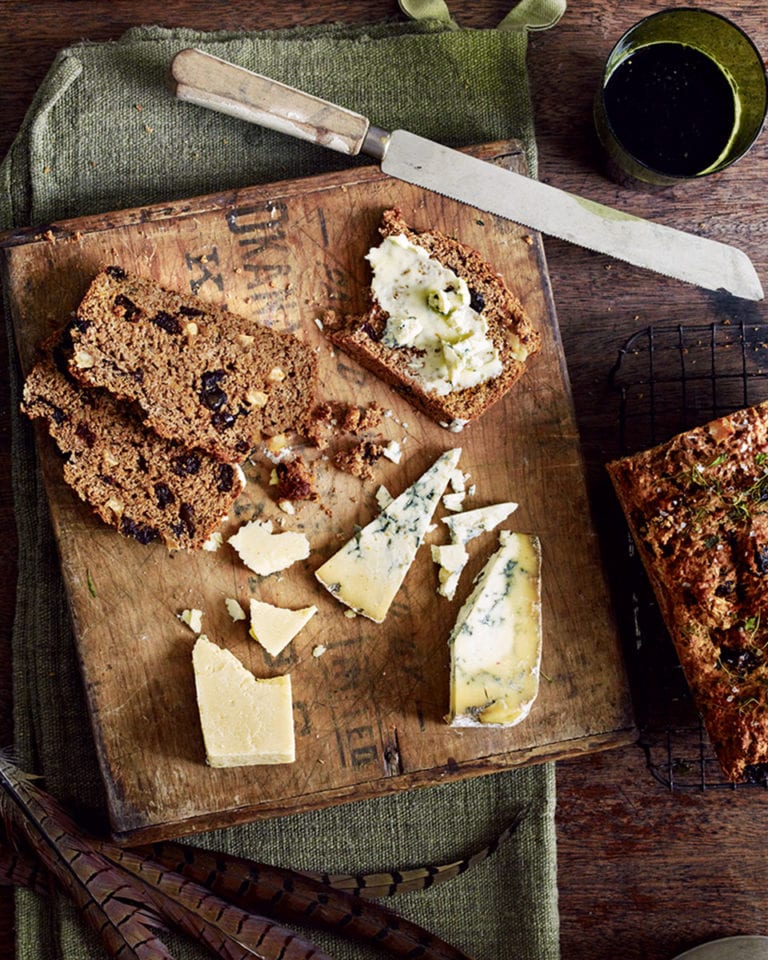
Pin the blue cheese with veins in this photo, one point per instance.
(451, 559)
(366, 573)
(429, 309)
(496, 640)
(466, 526)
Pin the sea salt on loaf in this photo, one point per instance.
(147, 487)
(200, 374)
(443, 328)
(697, 507)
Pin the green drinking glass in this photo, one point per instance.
(683, 95)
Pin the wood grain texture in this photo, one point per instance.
(377, 688)
(643, 873)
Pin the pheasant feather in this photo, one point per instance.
(199, 911)
(104, 897)
(372, 886)
(122, 895)
(293, 896)
(18, 870)
(215, 899)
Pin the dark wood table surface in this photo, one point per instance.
(645, 870)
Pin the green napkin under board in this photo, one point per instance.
(104, 134)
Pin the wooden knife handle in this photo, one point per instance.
(210, 82)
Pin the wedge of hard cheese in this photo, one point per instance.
(370, 568)
(496, 640)
(275, 627)
(245, 721)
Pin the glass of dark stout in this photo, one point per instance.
(683, 95)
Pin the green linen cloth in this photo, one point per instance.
(104, 133)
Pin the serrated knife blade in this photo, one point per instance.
(643, 243)
(210, 82)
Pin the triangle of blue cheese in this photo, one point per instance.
(244, 721)
(469, 524)
(366, 573)
(496, 640)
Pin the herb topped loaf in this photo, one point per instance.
(147, 487)
(697, 507)
(200, 374)
(443, 328)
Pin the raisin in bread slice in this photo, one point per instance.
(509, 329)
(200, 374)
(145, 486)
(697, 508)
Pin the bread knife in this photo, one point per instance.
(208, 81)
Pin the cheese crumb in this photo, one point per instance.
(213, 542)
(234, 609)
(393, 451)
(454, 501)
(451, 559)
(193, 619)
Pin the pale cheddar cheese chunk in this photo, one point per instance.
(245, 721)
(496, 640)
(370, 568)
(266, 552)
(275, 627)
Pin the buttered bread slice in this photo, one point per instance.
(443, 328)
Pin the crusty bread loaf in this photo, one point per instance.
(697, 507)
(509, 328)
(147, 487)
(200, 374)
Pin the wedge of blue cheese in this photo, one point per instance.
(367, 572)
(245, 721)
(496, 640)
(469, 524)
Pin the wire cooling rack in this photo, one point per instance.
(669, 379)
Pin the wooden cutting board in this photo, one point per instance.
(368, 711)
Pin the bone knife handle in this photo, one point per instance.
(210, 82)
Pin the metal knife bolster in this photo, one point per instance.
(210, 82)
(375, 143)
